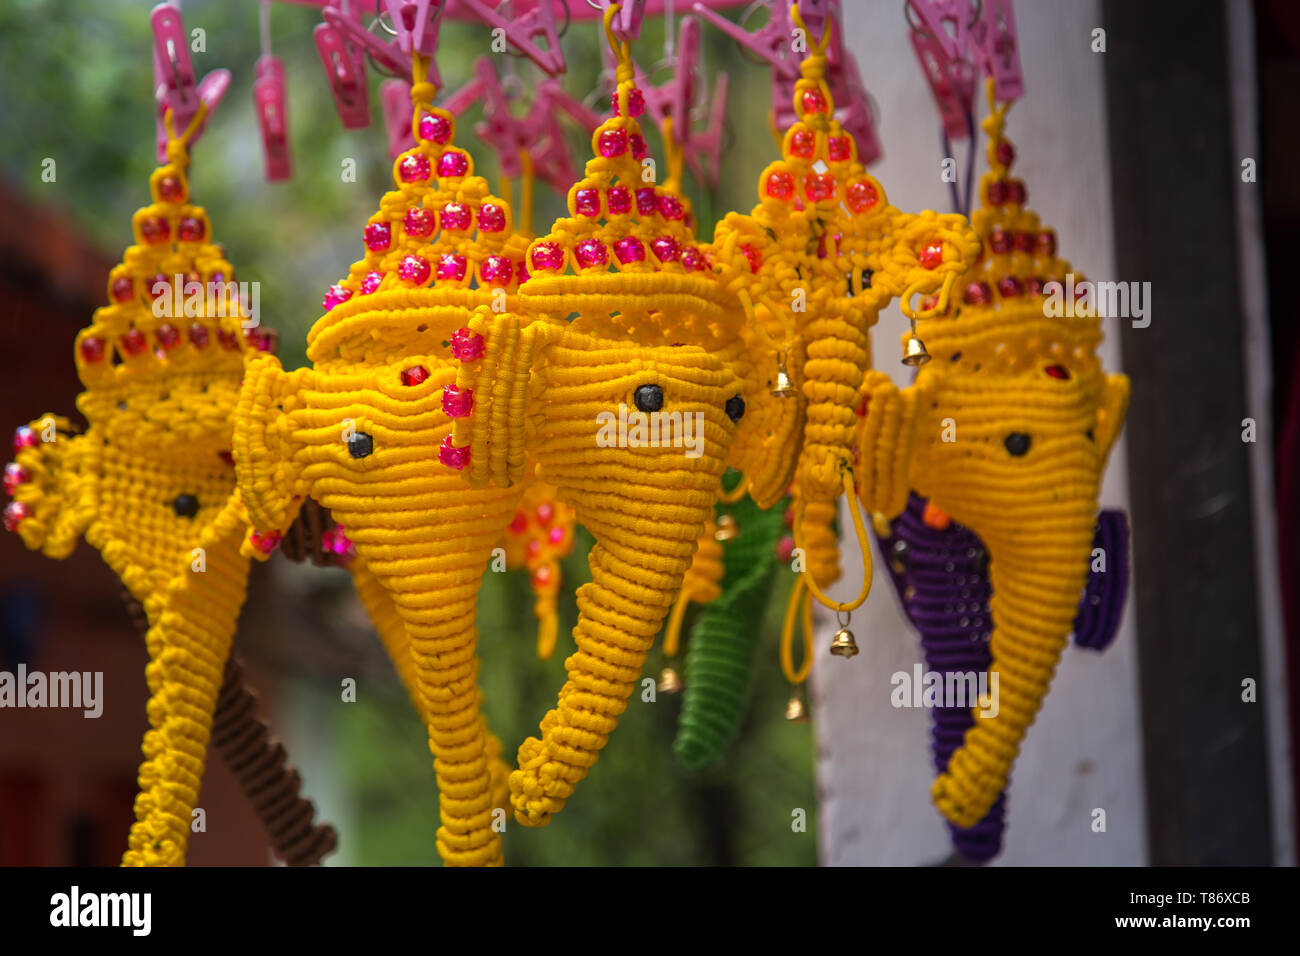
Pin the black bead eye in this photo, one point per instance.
(360, 445)
(185, 506)
(735, 408)
(1017, 443)
(1090, 435)
(649, 398)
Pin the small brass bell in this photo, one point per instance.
(727, 530)
(843, 644)
(914, 353)
(795, 710)
(669, 682)
(783, 388)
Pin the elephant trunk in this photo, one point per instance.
(1038, 570)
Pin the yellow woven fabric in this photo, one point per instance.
(1007, 430)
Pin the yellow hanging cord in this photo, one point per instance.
(798, 602)
(864, 545)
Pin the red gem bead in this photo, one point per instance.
(555, 535)
(670, 207)
(170, 189)
(612, 142)
(1046, 243)
(491, 218)
(637, 142)
(839, 149)
(455, 403)
(452, 164)
(122, 289)
(521, 270)
(191, 229)
(692, 261)
(227, 339)
(635, 102)
(451, 456)
(371, 282)
(802, 143)
(932, 255)
(586, 202)
(159, 287)
(265, 541)
(15, 513)
(466, 345)
(454, 217)
(928, 303)
(997, 192)
(629, 249)
(167, 336)
(434, 127)
(92, 348)
(780, 185)
(414, 269)
(452, 266)
(752, 254)
(819, 187)
(24, 437)
(154, 229)
(15, 475)
(1006, 153)
(1000, 240)
(414, 168)
(785, 548)
(547, 256)
(335, 295)
(665, 249)
(619, 200)
(1058, 372)
(134, 342)
(861, 196)
(1023, 241)
(977, 293)
(542, 576)
(336, 542)
(520, 523)
(497, 269)
(1034, 285)
(414, 375)
(1016, 193)
(813, 101)
(545, 512)
(378, 235)
(198, 335)
(418, 222)
(646, 201)
(1009, 287)
(591, 252)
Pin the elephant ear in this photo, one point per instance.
(771, 433)
(497, 355)
(56, 491)
(886, 436)
(265, 464)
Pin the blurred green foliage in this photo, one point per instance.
(76, 81)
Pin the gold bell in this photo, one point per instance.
(727, 529)
(843, 644)
(914, 353)
(795, 710)
(669, 682)
(783, 388)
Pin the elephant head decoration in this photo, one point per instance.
(1007, 432)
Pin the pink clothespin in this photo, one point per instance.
(386, 55)
(856, 118)
(676, 97)
(706, 146)
(395, 100)
(1000, 53)
(417, 29)
(552, 93)
(771, 41)
(345, 69)
(627, 22)
(174, 81)
(272, 117)
(520, 31)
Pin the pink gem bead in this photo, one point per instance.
(336, 542)
(452, 163)
(371, 282)
(814, 102)
(170, 189)
(1016, 192)
(591, 252)
(455, 216)
(336, 295)
(646, 201)
(191, 229)
(497, 269)
(1009, 287)
(414, 168)
(491, 218)
(629, 249)
(122, 289)
(1024, 241)
(418, 222)
(780, 185)
(547, 256)
(545, 512)
(24, 437)
(199, 336)
(838, 149)
(414, 269)
(264, 541)
(378, 236)
(434, 127)
(692, 261)
(619, 200)
(802, 143)
(586, 202)
(997, 192)
(15, 475)
(155, 229)
(167, 336)
(638, 146)
(1006, 153)
(414, 375)
(134, 342)
(1046, 243)
(451, 456)
(466, 345)
(455, 403)
(665, 249)
(15, 513)
(612, 142)
(556, 535)
(227, 339)
(1000, 240)
(861, 196)
(752, 255)
(92, 348)
(670, 207)
(819, 187)
(453, 267)
(635, 102)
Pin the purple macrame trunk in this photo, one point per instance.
(943, 580)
